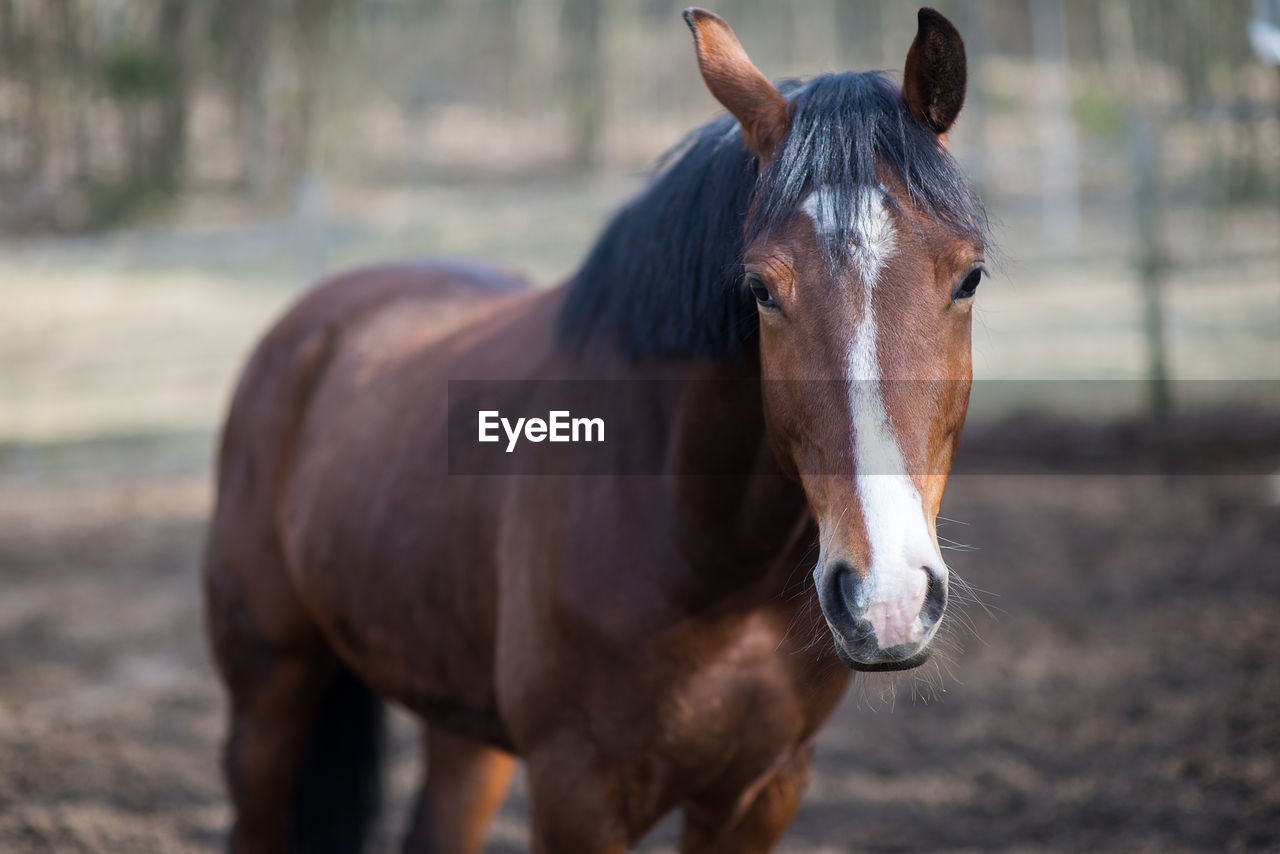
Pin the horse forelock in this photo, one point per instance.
(851, 136)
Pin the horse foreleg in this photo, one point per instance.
(575, 809)
(466, 783)
(733, 826)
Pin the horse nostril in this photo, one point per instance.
(852, 592)
(843, 599)
(830, 587)
(935, 597)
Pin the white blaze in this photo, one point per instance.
(897, 531)
(874, 236)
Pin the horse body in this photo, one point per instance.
(643, 643)
(504, 627)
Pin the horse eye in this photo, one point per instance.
(760, 292)
(969, 286)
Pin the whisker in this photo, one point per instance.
(966, 592)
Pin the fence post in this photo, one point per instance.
(1059, 168)
(1152, 260)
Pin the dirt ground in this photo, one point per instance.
(1119, 691)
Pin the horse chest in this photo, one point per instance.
(748, 684)
(730, 713)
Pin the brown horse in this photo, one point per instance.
(644, 640)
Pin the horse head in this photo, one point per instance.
(863, 251)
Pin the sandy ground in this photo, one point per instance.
(1120, 691)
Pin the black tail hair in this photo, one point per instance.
(339, 784)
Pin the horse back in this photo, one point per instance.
(260, 438)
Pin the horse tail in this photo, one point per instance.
(338, 788)
(335, 786)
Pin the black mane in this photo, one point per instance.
(664, 279)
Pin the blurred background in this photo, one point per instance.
(173, 172)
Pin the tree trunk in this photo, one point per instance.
(170, 147)
(79, 98)
(32, 53)
(1059, 169)
(1144, 145)
(8, 35)
(251, 28)
(584, 88)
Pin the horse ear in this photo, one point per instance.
(933, 84)
(737, 84)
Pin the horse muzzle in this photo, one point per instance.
(882, 620)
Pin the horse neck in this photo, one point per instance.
(734, 514)
(738, 515)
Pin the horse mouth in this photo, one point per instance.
(910, 662)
